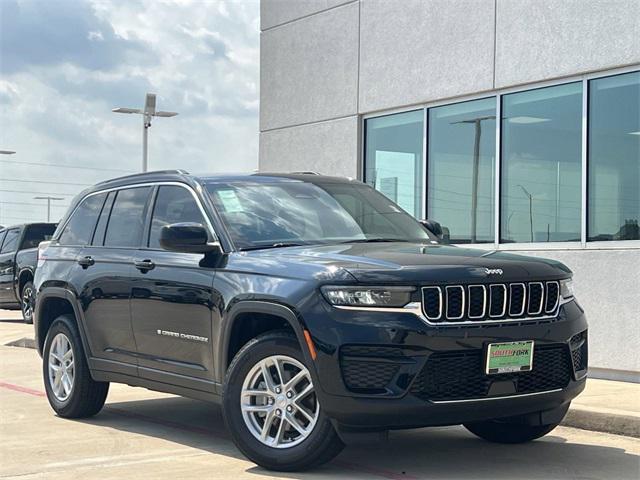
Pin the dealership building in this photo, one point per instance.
(513, 123)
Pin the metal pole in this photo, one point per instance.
(474, 185)
(531, 215)
(48, 209)
(146, 123)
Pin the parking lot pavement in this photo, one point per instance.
(143, 434)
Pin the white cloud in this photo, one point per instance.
(56, 93)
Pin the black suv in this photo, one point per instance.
(315, 309)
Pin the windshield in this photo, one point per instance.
(262, 215)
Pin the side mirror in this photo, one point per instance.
(433, 226)
(187, 238)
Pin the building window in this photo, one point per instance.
(541, 165)
(461, 169)
(614, 158)
(393, 158)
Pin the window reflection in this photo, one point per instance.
(461, 160)
(614, 158)
(393, 155)
(541, 165)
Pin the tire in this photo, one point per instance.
(504, 431)
(27, 301)
(84, 397)
(289, 449)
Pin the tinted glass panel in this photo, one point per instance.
(614, 158)
(98, 236)
(126, 221)
(260, 215)
(173, 204)
(393, 158)
(36, 234)
(541, 165)
(79, 229)
(461, 185)
(11, 241)
(2, 235)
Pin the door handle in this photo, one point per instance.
(144, 265)
(86, 262)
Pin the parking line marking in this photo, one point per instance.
(21, 389)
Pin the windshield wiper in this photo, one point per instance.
(274, 245)
(374, 240)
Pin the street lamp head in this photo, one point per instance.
(150, 104)
(7, 152)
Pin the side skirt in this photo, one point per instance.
(134, 381)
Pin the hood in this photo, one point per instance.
(400, 262)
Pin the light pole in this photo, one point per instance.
(148, 112)
(477, 123)
(526, 192)
(6, 152)
(48, 199)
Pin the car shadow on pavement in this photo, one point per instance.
(443, 452)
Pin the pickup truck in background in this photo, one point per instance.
(18, 260)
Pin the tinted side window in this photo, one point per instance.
(126, 221)
(36, 234)
(11, 241)
(80, 227)
(101, 228)
(173, 204)
(2, 235)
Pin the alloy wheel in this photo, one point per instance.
(278, 402)
(61, 367)
(27, 303)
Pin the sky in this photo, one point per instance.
(64, 64)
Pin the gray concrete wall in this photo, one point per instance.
(326, 62)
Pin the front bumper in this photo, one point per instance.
(401, 399)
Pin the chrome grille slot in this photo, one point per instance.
(517, 299)
(553, 297)
(432, 302)
(455, 302)
(497, 300)
(490, 302)
(536, 298)
(477, 301)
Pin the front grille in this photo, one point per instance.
(461, 376)
(459, 303)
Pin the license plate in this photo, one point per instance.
(509, 357)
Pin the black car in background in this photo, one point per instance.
(18, 259)
(313, 308)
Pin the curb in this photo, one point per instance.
(610, 421)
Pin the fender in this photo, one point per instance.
(16, 281)
(258, 306)
(65, 294)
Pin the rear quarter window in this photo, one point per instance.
(36, 234)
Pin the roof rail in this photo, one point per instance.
(144, 174)
(308, 172)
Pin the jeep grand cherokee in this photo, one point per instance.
(313, 308)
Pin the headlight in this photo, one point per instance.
(368, 296)
(566, 288)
